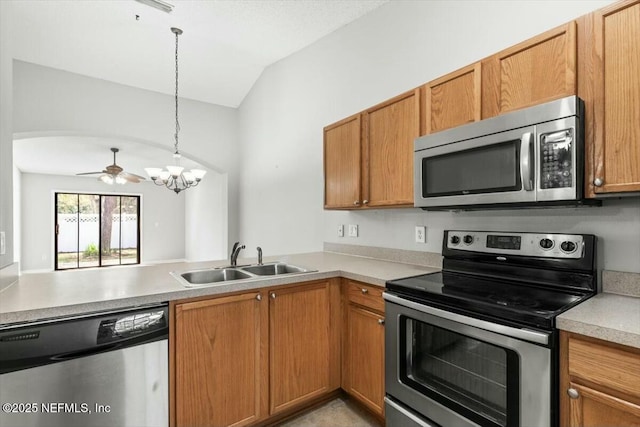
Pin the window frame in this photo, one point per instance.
(100, 196)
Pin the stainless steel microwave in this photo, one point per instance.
(529, 157)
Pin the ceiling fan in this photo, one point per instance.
(114, 173)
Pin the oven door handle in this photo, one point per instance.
(526, 161)
(519, 333)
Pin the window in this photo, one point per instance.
(94, 230)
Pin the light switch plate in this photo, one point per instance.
(3, 243)
(353, 230)
(341, 230)
(421, 234)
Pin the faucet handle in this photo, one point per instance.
(259, 249)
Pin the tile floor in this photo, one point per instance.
(336, 413)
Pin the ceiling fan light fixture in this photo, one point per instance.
(175, 178)
(107, 179)
(120, 180)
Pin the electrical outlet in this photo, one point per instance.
(341, 230)
(421, 234)
(353, 230)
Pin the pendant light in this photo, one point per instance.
(174, 177)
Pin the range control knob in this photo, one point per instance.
(455, 240)
(568, 246)
(546, 243)
(468, 239)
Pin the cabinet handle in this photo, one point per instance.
(573, 393)
(365, 291)
(259, 297)
(356, 203)
(380, 321)
(273, 295)
(365, 202)
(598, 182)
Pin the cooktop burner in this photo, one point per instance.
(516, 278)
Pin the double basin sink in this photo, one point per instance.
(221, 275)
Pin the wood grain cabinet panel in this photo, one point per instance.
(537, 70)
(220, 366)
(599, 383)
(304, 343)
(616, 102)
(453, 100)
(342, 160)
(389, 131)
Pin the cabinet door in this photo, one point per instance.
(304, 343)
(617, 98)
(538, 70)
(389, 131)
(364, 341)
(221, 361)
(342, 164)
(592, 408)
(453, 100)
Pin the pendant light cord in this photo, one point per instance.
(177, 122)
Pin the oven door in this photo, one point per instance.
(493, 169)
(462, 371)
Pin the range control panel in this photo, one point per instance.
(522, 244)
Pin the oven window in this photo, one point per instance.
(493, 168)
(471, 374)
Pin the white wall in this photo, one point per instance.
(6, 153)
(50, 100)
(160, 239)
(397, 47)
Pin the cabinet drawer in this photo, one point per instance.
(603, 365)
(367, 295)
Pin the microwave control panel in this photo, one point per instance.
(556, 154)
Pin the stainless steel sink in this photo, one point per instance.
(273, 269)
(201, 277)
(220, 276)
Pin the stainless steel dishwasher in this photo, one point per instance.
(101, 369)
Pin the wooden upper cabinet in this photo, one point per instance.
(537, 70)
(342, 160)
(220, 371)
(616, 99)
(389, 131)
(452, 100)
(304, 343)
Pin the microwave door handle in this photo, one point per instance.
(526, 161)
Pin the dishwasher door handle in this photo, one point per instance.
(86, 352)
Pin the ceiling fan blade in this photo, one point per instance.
(127, 175)
(89, 173)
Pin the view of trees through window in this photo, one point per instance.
(94, 230)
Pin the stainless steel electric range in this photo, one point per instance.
(476, 344)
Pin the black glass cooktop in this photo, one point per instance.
(511, 302)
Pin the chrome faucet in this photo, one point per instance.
(259, 249)
(235, 252)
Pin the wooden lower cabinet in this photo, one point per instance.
(239, 360)
(363, 345)
(304, 343)
(220, 361)
(599, 383)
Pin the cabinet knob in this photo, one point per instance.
(273, 295)
(259, 297)
(380, 321)
(365, 202)
(365, 291)
(598, 182)
(573, 393)
(356, 203)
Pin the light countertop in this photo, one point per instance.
(64, 293)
